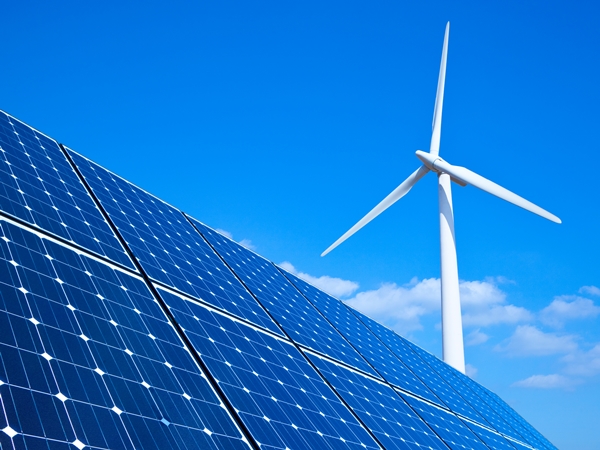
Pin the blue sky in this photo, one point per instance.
(284, 123)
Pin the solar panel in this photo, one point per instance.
(492, 439)
(88, 358)
(289, 308)
(451, 376)
(367, 343)
(39, 186)
(510, 416)
(448, 396)
(394, 423)
(448, 426)
(279, 396)
(125, 323)
(168, 247)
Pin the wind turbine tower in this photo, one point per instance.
(452, 335)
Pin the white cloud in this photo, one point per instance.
(224, 233)
(244, 242)
(590, 290)
(583, 363)
(552, 381)
(248, 244)
(528, 340)
(568, 307)
(497, 314)
(471, 371)
(400, 307)
(334, 286)
(484, 304)
(476, 337)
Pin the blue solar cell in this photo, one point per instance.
(39, 186)
(457, 381)
(368, 345)
(88, 357)
(168, 247)
(399, 346)
(447, 426)
(289, 308)
(278, 395)
(530, 434)
(491, 439)
(389, 417)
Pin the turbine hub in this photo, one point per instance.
(428, 160)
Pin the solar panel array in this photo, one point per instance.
(125, 323)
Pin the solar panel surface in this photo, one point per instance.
(89, 358)
(359, 336)
(168, 247)
(197, 342)
(39, 186)
(283, 301)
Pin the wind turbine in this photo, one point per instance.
(452, 335)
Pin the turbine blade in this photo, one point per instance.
(465, 175)
(392, 198)
(436, 126)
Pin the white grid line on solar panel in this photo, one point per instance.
(493, 439)
(363, 339)
(216, 310)
(278, 395)
(79, 250)
(385, 413)
(530, 434)
(290, 309)
(132, 373)
(451, 376)
(38, 185)
(168, 247)
(434, 382)
(446, 424)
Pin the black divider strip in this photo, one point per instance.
(166, 310)
(392, 386)
(293, 342)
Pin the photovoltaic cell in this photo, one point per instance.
(448, 396)
(88, 358)
(369, 346)
(168, 247)
(394, 423)
(530, 434)
(289, 308)
(280, 398)
(457, 381)
(447, 426)
(491, 439)
(39, 186)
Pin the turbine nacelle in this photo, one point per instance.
(432, 162)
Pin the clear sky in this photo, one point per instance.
(284, 122)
